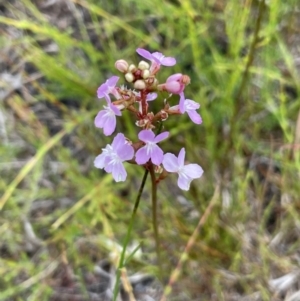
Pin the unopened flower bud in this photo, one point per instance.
(152, 82)
(121, 65)
(185, 79)
(139, 85)
(145, 74)
(129, 77)
(141, 123)
(164, 115)
(158, 169)
(132, 68)
(143, 65)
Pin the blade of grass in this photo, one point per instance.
(80, 203)
(31, 163)
(184, 256)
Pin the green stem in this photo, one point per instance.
(128, 234)
(250, 59)
(154, 211)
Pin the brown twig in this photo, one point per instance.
(184, 256)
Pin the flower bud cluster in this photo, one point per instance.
(143, 78)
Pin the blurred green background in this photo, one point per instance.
(60, 216)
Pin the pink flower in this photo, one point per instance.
(113, 156)
(106, 119)
(156, 57)
(189, 106)
(186, 173)
(108, 88)
(150, 150)
(174, 84)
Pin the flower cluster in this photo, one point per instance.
(145, 150)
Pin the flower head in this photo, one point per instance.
(106, 119)
(186, 173)
(113, 156)
(174, 84)
(151, 150)
(157, 59)
(108, 88)
(189, 106)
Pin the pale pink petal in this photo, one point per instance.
(119, 173)
(181, 157)
(161, 137)
(111, 82)
(168, 61)
(181, 103)
(191, 104)
(151, 96)
(146, 135)
(173, 87)
(116, 111)
(170, 162)
(126, 153)
(110, 123)
(157, 155)
(118, 142)
(184, 182)
(99, 161)
(99, 119)
(195, 117)
(142, 156)
(157, 56)
(174, 77)
(144, 53)
(193, 171)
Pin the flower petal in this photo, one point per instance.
(142, 156)
(115, 110)
(112, 81)
(193, 171)
(144, 53)
(110, 123)
(126, 153)
(99, 161)
(184, 182)
(119, 173)
(100, 118)
(191, 104)
(161, 137)
(170, 162)
(146, 136)
(181, 103)
(168, 61)
(157, 155)
(174, 77)
(118, 142)
(151, 96)
(181, 157)
(195, 117)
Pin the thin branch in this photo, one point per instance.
(184, 256)
(128, 234)
(154, 211)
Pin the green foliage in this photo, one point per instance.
(248, 88)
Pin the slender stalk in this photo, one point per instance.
(154, 212)
(250, 58)
(128, 234)
(191, 242)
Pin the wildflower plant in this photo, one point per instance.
(146, 150)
